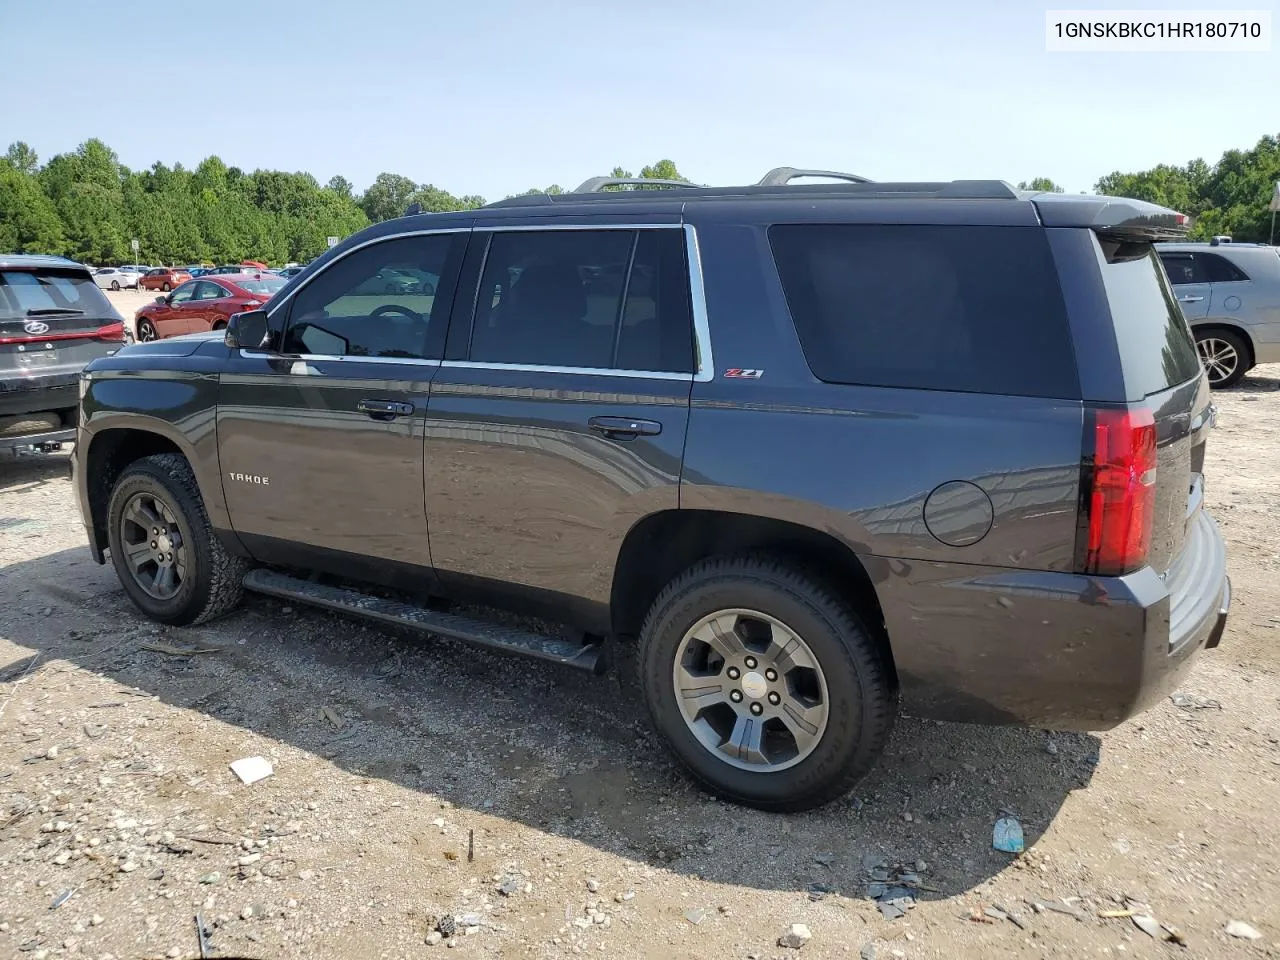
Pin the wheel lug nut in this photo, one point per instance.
(771, 675)
(733, 673)
(153, 544)
(757, 709)
(751, 663)
(735, 696)
(775, 699)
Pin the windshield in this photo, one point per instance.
(50, 289)
(265, 285)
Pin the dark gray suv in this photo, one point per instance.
(53, 321)
(806, 451)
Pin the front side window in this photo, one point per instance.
(183, 293)
(601, 299)
(354, 307)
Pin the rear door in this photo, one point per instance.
(1191, 283)
(321, 445)
(558, 418)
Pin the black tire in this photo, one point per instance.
(1217, 347)
(165, 288)
(219, 325)
(862, 698)
(115, 285)
(146, 331)
(213, 583)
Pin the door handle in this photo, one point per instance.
(624, 428)
(384, 409)
(1190, 299)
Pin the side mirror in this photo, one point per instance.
(162, 299)
(248, 331)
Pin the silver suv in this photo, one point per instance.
(1231, 294)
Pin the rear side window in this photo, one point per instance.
(1222, 270)
(1155, 342)
(49, 291)
(963, 308)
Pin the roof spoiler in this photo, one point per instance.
(1117, 217)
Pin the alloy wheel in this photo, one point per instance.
(1220, 358)
(154, 550)
(146, 332)
(750, 690)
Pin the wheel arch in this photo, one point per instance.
(662, 545)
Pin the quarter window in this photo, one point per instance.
(602, 299)
(1220, 269)
(375, 302)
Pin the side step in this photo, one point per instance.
(422, 620)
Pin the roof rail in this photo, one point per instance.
(781, 176)
(596, 184)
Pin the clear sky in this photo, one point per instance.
(495, 97)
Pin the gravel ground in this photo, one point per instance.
(414, 780)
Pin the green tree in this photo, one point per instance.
(341, 186)
(22, 157)
(1041, 185)
(387, 197)
(29, 223)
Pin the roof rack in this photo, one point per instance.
(596, 184)
(781, 176)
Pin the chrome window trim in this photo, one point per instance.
(580, 371)
(524, 227)
(698, 303)
(247, 354)
(704, 373)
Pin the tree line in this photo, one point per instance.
(87, 205)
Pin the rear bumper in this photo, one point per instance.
(58, 391)
(1054, 650)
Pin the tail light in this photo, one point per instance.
(1118, 492)
(111, 333)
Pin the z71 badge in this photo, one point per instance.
(741, 374)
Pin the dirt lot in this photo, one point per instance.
(389, 753)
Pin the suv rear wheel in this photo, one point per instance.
(1225, 356)
(767, 687)
(162, 547)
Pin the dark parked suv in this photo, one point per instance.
(806, 450)
(53, 321)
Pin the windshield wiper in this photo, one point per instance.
(52, 311)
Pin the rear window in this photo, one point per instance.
(962, 308)
(50, 290)
(1157, 350)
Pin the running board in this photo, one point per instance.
(421, 620)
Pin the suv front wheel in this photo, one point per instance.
(767, 686)
(163, 548)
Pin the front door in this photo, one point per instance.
(558, 418)
(321, 445)
(173, 317)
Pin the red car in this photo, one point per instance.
(163, 278)
(198, 306)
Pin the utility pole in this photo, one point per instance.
(1274, 206)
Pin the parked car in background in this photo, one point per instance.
(288, 272)
(204, 304)
(163, 278)
(53, 321)
(138, 267)
(1231, 294)
(116, 278)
